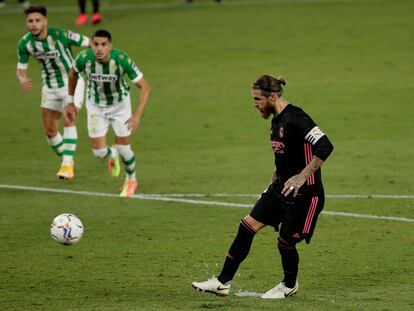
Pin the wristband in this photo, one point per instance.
(70, 99)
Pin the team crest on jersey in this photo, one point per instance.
(99, 77)
(134, 66)
(73, 36)
(281, 132)
(46, 55)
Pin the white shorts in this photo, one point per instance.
(117, 115)
(56, 99)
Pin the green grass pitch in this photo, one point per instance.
(348, 63)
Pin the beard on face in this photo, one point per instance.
(37, 32)
(266, 111)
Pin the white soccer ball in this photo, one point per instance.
(66, 229)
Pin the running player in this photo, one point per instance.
(294, 199)
(51, 47)
(108, 103)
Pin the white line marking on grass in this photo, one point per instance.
(158, 197)
(167, 199)
(53, 190)
(248, 294)
(366, 216)
(370, 196)
(330, 196)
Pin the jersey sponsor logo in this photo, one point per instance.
(73, 36)
(314, 135)
(278, 146)
(47, 55)
(98, 77)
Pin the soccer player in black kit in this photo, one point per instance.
(294, 199)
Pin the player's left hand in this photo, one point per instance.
(293, 184)
(70, 112)
(132, 124)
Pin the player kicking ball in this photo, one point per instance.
(292, 202)
(108, 103)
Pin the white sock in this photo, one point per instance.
(101, 153)
(114, 152)
(128, 158)
(70, 139)
(56, 142)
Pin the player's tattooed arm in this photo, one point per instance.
(312, 167)
(297, 181)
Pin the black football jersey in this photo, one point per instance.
(295, 138)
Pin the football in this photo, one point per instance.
(66, 229)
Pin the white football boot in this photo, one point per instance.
(213, 286)
(280, 291)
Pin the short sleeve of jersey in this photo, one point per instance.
(130, 68)
(80, 61)
(74, 38)
(313, 135)
(307, 128)
(22, 55)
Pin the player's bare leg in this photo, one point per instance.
(51, 119)
(63, 146)
(102, 151)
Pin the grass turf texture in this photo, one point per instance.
(348, 64)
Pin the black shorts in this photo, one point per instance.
(296, 216)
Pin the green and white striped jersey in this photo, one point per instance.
(106, 85)
(54, 54)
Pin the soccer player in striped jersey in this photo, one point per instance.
(51, 47)
(295, 197)
(108, 103)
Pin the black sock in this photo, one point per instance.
(237, 252)
(290, 262)
(82, 6)
(95, 6)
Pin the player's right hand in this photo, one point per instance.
(26, 85)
